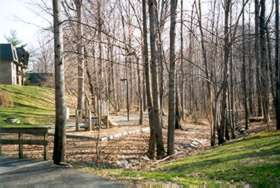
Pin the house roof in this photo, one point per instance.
(8, 53)
(11, 54)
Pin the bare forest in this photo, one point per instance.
(173, 66)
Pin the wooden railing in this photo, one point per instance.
(14, 136)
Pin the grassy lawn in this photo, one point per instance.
(254, 160)
(32, 105)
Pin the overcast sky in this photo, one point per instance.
(20, 16)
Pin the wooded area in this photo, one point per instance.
(186, 60)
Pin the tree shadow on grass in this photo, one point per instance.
(32, 107)
(26, 115)
(267, 175)
(239, 166)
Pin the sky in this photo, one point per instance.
(21, 16)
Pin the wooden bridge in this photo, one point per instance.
(15, 136)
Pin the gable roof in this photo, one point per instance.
(8, 53)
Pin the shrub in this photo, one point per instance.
(6, 100)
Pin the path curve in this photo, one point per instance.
(27, 173)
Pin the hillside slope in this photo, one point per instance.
(32, 105)
(254, 160)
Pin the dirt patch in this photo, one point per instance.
(128, 151)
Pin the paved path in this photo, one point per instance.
(27, 173)
(16, 173)
(121, 128)
(121, 120)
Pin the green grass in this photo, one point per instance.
(254, 160)
(32, 105)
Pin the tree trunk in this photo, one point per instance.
(160, 52)
(244, 73)
(90, 81)
(154, 69)
(182, 81)
(250, 71)
(190, 67)
(257, 58)
(80, 59)
(139, 93)
(208, 84)
(277, 75)
(151, 150)
(223, 125)
(231, 106)
(100, 66)
(264, 73)
(172, 80)
(60, 111)
(178, 114)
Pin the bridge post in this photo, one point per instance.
(46, 146)
(20, 146)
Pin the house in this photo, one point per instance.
(13, 64)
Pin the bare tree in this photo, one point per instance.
(224, 120)
(151, 150)
(155, 93)
(80, 59)
(172, 80)
(244, 72)
(59, 137)
(257, 56)
(264, 71)
(277, 74)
